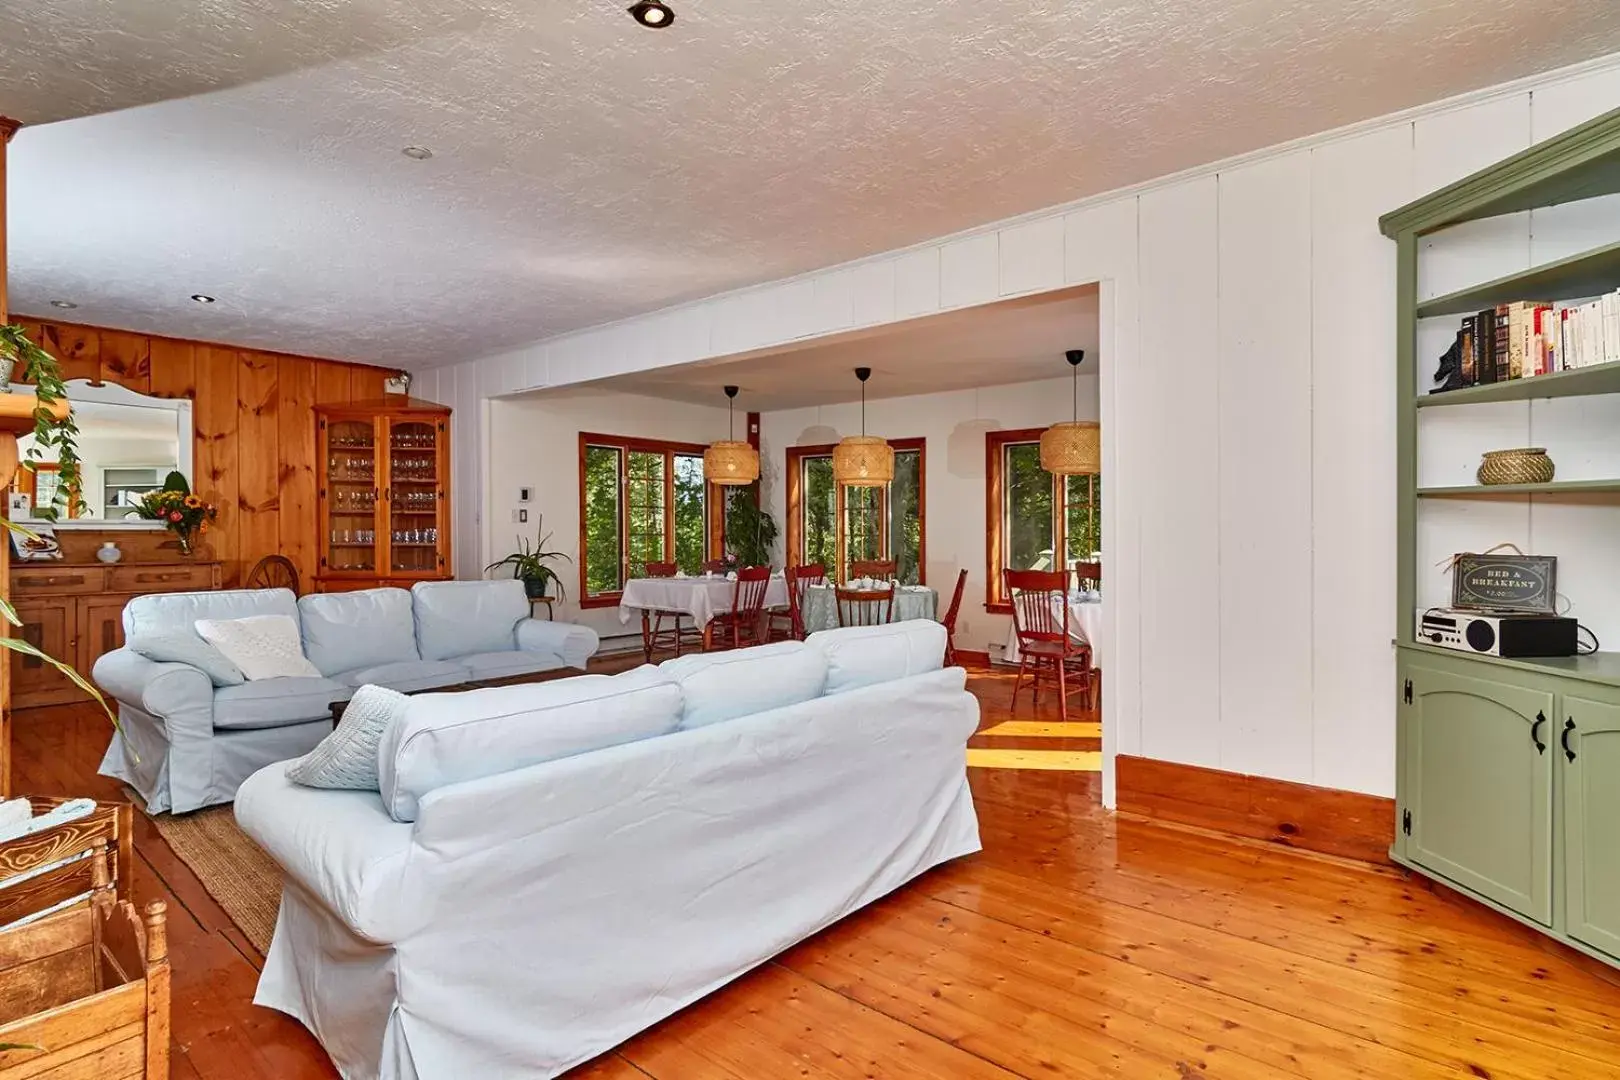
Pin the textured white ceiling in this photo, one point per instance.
(1011, 342)
(587, 169)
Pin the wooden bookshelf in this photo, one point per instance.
(1578, 382)
(1589, 273)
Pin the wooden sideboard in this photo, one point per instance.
(73, 609)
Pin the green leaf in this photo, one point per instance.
(18, 645)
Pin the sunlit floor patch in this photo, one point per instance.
(1041, 729)
(1050, 760)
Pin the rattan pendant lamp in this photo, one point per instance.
(727, 461)
(863, 460)
(1071, 448)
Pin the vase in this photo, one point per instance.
(109, 552)
(8, 364)
(184, 539)
(534, 588)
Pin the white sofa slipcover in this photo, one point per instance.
(186, 744)
(530, 919)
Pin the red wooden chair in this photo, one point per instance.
(879, 569)
(949, 620)
(865, 607)
(789, 625)
(1040, 611)
(1087, 575)
(717, 566)
(744, 624)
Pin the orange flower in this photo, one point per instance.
(193, 502)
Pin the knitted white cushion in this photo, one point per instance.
(347, 758)
(263, 646)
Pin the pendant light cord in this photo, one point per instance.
(1074, 372)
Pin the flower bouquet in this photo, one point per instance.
(182, 513)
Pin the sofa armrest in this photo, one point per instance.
(340, 846)
(575, 644)
(161, 689)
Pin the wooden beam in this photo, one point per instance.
(8, 128)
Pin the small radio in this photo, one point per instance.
(1498, 635)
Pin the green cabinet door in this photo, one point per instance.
(1589, 748)
(1479, 786)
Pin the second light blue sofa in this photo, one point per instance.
(186, 743)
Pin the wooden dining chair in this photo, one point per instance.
(655, 636)
(949, 621)
(717, 566)
(1087, 575)
(879, 569)
(865, 607)
(1040, 611)
(744, 624)
(789, 625)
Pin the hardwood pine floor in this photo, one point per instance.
(1078, 944)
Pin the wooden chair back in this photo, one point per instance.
(800, 578)
(955, 609)
(1040, 604)
(661, 569)
(880, 569)
(716, 566)
(865, 607)
(749, 599)
(273, 572)
(1088, 575)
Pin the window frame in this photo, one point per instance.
(794, 476)
(995, 444)
(626, 445)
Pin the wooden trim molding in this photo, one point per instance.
(995, 443)
(1326, 820)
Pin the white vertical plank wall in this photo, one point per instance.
(1245, 395)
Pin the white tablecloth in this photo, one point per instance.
(910, 602)
(1085, 625)
(700, 597)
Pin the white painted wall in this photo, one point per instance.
(1248, 315)
(954, 425)
(535, 443)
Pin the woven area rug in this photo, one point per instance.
(236, 872)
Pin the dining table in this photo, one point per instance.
(1085, 626)
(819, 609)
(700, 597)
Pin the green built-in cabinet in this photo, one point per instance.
(1508, 771)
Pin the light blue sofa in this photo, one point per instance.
(187, 744)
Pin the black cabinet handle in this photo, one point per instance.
(1569, 726)
(1541, 747)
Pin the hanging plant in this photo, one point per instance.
(54, 427)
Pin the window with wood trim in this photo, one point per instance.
(834, 525)
(1035, 521)
(640, 501)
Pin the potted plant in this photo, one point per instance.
(182, 513)
(529, 565)
(750, 529)
(54, 426)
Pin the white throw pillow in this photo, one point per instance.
(262, 646)
(346, 760)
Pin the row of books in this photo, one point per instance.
(1528, 338)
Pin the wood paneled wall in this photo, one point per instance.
(255, 432)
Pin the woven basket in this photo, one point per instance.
(1526, 465)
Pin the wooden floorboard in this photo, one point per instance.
(1077, 944)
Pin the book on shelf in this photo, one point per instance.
(1527, 338)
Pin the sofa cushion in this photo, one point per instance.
(180, 611)
(185, 647)
(268, 703)
(346, 760)
(351, 630)
(263, 646)
(725, 685)
(461, 618)
(448, 738)
(407, 676)
(860, 656)
(503, 665)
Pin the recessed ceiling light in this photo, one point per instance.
(65, 305)
(417, 153)
(202, 299)
(653, 14)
